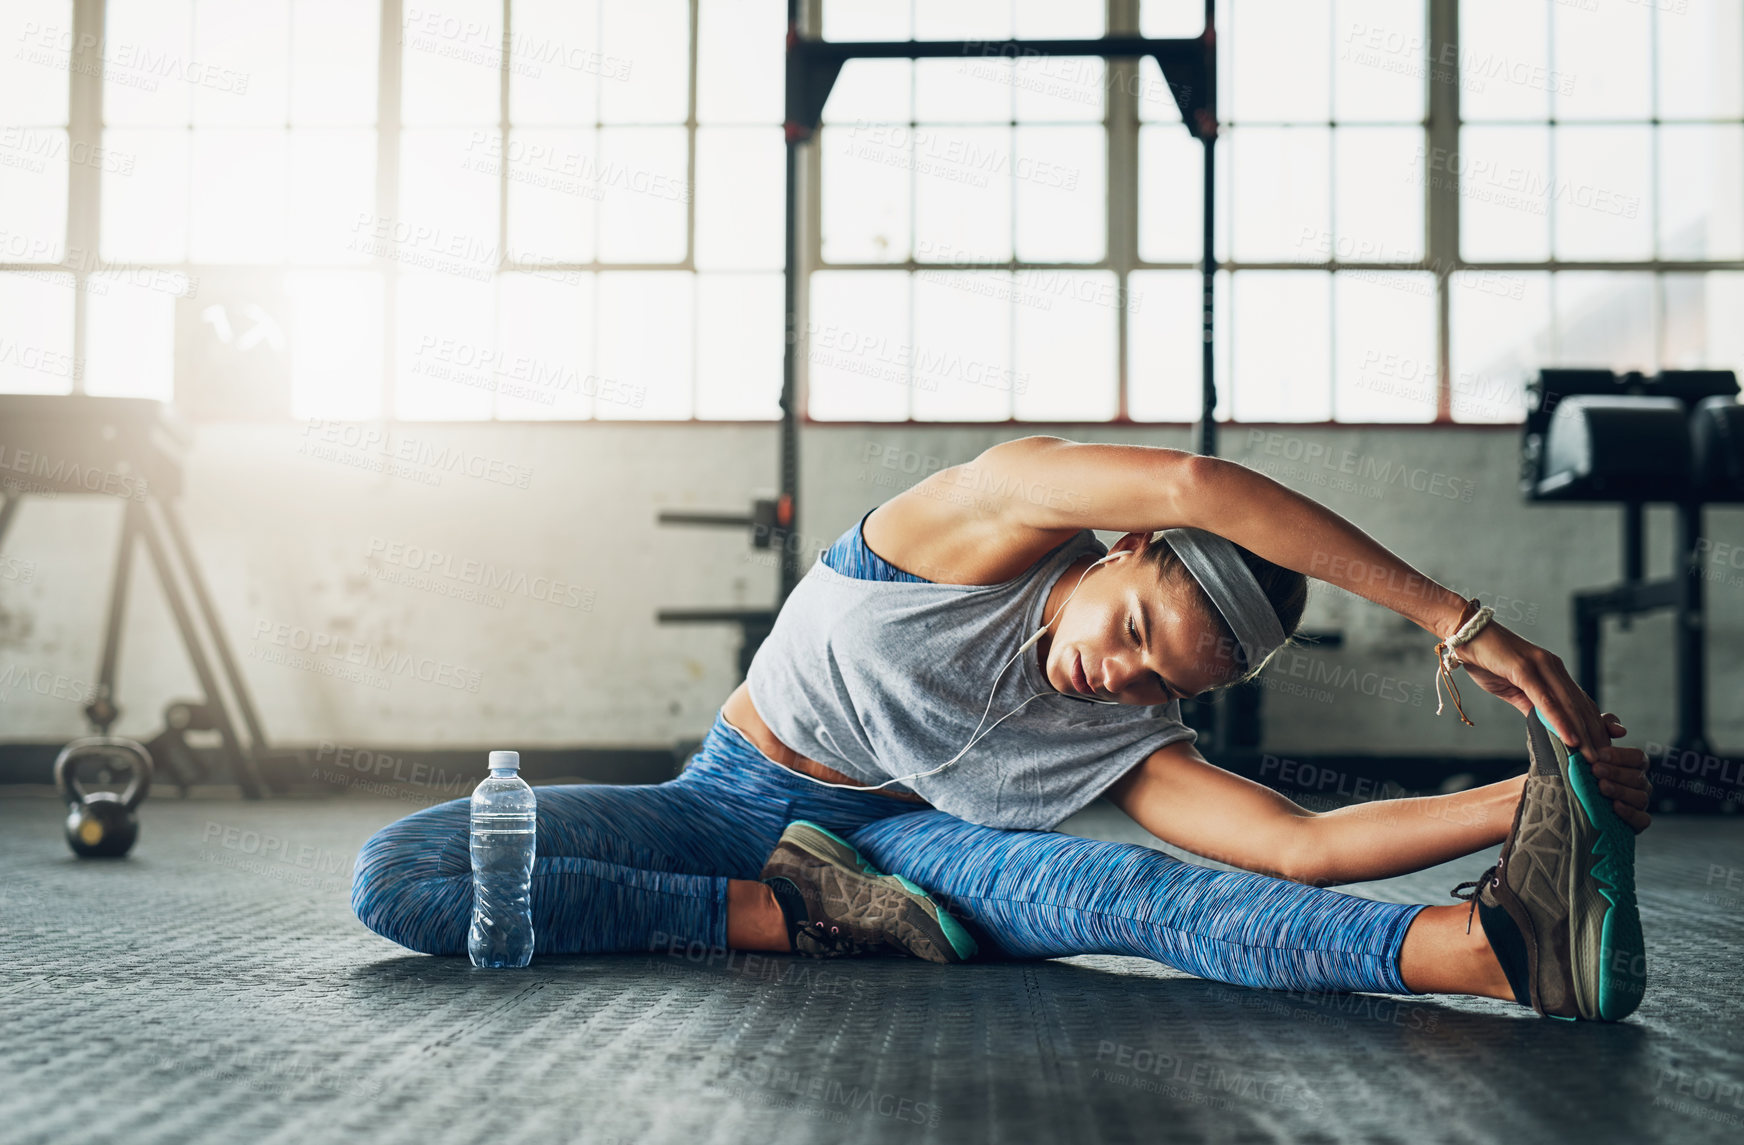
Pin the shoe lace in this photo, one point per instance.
(1492, 877)
(834, 940)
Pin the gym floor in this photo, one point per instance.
(214, 986)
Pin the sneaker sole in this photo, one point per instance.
(823, 844)
(1604, 916)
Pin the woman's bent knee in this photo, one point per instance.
(413, 880)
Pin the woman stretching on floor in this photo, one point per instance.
(968, 613)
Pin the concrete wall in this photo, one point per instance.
(306, 542)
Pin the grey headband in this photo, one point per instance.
(1226, 579)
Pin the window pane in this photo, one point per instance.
(1380, 54)
(130, 334)
(1275, 63)
(1062, 19)
(1067, 361)
(1175, 19)
(558, 65)
(866, 20)
(1163, 346)
(1278, 188)
(646, 345)
(740, 61)
(962, 346)
(448, 208)
(739, 328)
(872, 91)
(33, 185)
(555, 185)
(335, 56)
(1380, 193)
(1171, 217)
(1504, 60)
(1700, 70)
(1060, 89)
(1282, 346)
(146, 88)
(239, 69)
(1062, 194)
(446, 323)
(542, 362)
(1603, 53)
(972, 90)
(1701, 328)
(145, 210)
(962, 190)
(651, 38)
(1386, 363)
(1500, 336)
(740, 203)
(857, 346)
(336, 343)
(451, 59)
(238, 204)
(645, 177)
(1602, 208)
(1700, 212)
(1604, 319)
(36, 331)
(33, 84)
(332, 187)
(866, 175)
(963, 20)
(1504, 183)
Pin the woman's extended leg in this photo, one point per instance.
(1040, 894)
(617, 868)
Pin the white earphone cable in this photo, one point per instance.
(978, 735)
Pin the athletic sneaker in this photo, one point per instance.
(1566, 881)
(837, 904)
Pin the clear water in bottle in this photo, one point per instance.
(504, 816)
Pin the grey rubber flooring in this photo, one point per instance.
(215, 987)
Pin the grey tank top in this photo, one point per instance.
(880, 679)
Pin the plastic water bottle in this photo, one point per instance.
(503, 823)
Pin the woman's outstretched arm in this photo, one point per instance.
(1143, 489)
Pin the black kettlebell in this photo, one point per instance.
(102, 824)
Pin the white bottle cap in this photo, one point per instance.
(508, 759)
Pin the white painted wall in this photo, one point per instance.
(286, 539)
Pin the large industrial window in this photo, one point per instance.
(260, 207)
(1599, 159)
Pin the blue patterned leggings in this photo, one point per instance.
(624, 869)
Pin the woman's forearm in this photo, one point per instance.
(1387, 837)
(1294, 531)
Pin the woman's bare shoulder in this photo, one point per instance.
(948, 530)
